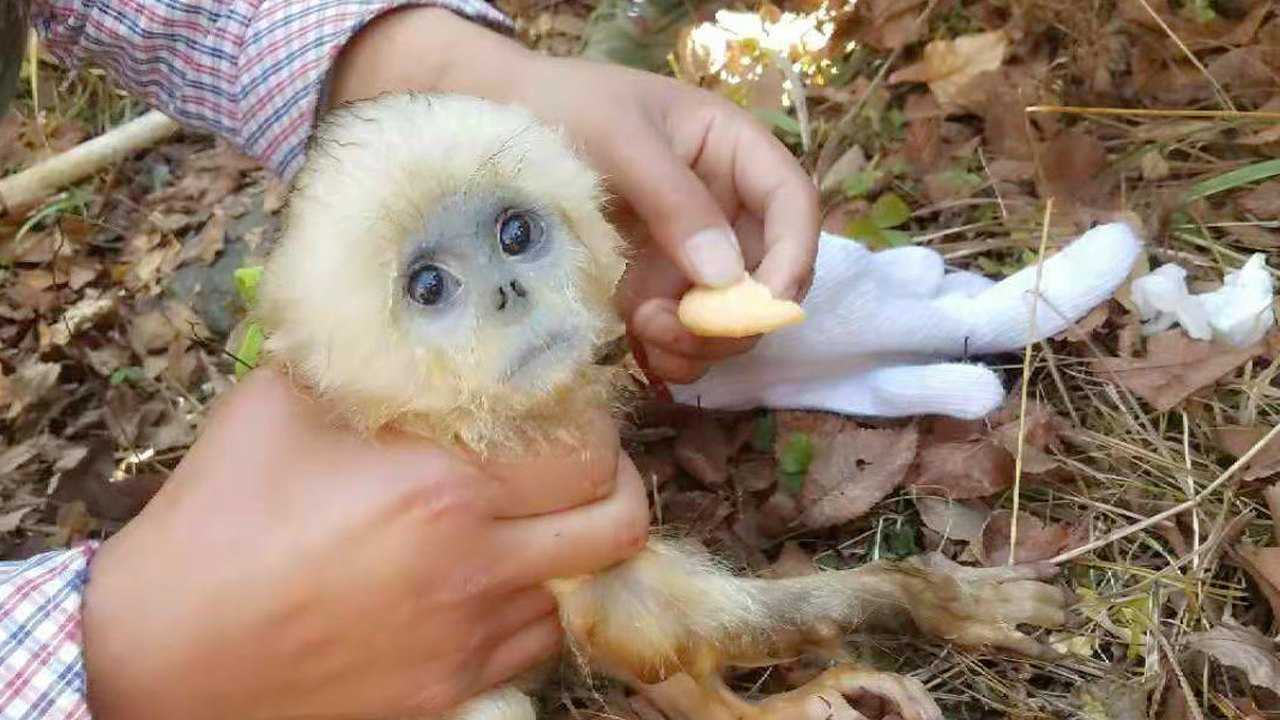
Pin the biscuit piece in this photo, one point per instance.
(743, 309)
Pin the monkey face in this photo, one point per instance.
(491, 280)
(442, 256)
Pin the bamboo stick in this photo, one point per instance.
(26, 187)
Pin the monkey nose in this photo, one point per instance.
(512, 292)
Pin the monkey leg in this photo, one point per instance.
(672, 609)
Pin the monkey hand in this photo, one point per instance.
(982, 607)
(880, 326)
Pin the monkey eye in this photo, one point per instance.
(430, 285)
(518, 232)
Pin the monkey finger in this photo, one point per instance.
(578, 541)
(560, 478)
(524, 649)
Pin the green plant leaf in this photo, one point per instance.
(861, 183)
(895, 238)
(763, 432)
(889, 211)
(247, 280)
(791, 482)
(864, 230)
(779, 120)
(796, 454)
(130, 374)
(250, 349)
(1234, 179)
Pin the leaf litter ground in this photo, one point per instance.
(117, 299)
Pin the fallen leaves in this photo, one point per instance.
(1175, 367)
(853, 470)
(1238, 440)
(1242, 648)
(1263, 202)
(952, 519)
(1036, 540)
(32, 381)
(948, 66)
(963, 470)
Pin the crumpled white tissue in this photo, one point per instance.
(1239, 313)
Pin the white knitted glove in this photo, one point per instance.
(879, 326)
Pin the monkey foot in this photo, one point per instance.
(844, 692)
(982, 607)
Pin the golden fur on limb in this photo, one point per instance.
(446, 268)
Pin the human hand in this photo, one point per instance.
(705, 189)
(290, 569)
(879, 325)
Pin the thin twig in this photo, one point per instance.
(1177, 509)
(1147, 112)
(1217, 89)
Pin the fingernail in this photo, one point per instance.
(715, 257)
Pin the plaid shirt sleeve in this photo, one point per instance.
(251, 71)
(41, 663)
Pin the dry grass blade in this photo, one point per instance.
(1171, 512)
(1026, 374)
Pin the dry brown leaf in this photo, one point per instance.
(1175, 367)
(1262, 202)
(949, 65)
(695, 512)
(11, 520)
(702, 449)
(28, 384)
(205, 247)
(150, 332)
(793, 561)
(953, 519)
(1243, 648)
(963, 470)
(1036, 540)
(1040, 434)
(1237, 440)
(78, 317)
(1073, 164)
(853, 161)
(1263, 565)
(882, 24)
(754, 475)
(15, 457)
(853, 470)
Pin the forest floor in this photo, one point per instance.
(117, 297)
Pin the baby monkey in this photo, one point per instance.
(446, 269)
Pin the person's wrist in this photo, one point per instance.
(130, 655)
(427, 49)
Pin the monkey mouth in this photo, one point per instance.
(540, 353)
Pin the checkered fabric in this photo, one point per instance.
(251, 71)
(248, 70)
(41, 664)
